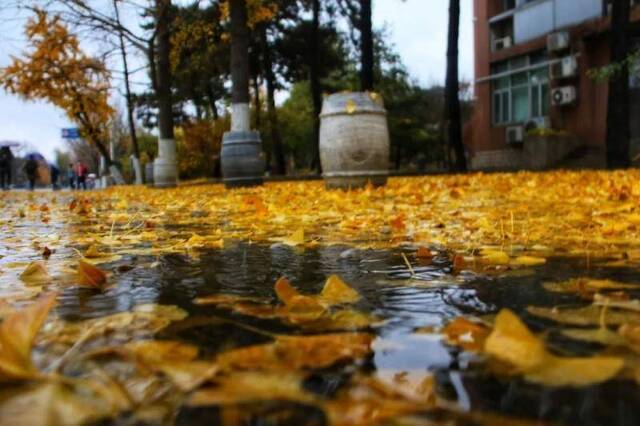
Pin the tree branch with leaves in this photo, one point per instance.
(54, 68)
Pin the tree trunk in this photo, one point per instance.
(163, 94)
(366, 46)
(618, 109)
(274, 125)
(452, 89)
(129, 101)
(239, 65)
(316, 85)
(165, 169)
(257, 102)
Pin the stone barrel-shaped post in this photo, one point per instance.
(242, 159)
(354, 140)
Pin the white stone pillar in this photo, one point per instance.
(137, 169)
(165, 167)
(240, 117)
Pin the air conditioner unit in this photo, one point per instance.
(566, 67)
(558, 42)
(515, 134)
(502, 43)
(564, 96)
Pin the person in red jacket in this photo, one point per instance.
(81, 175)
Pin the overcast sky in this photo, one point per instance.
(418, 29)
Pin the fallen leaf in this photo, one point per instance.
(512, 342)
(469, 335)
(246, 387)
(528, 261)
(35, 273)
(89, 275)
(17, 334)
(337, 292)
(51, 404)
(299, 352)
(591, 315)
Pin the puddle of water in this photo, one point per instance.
(433, 296)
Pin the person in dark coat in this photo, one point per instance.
(31, 169)
(54, 171)
(6, 162)
(71, 177)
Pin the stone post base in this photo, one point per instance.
(165, 168)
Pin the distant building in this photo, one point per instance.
(532, 58)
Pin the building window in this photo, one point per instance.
(520, 90)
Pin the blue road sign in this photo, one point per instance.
(72, 133)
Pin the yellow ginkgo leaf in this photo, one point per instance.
(295, 239)
(336, 292)
(35, 273)
(90, 276)
(17, 333)
(528, 261)
(512, 342)
(495, 258)
(93, 252)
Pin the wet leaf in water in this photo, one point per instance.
(50, 404)
(512, 342)
(336, 292)
(17, 335)
(144, 320)
(35, 273)
(246, 387)
(304, 352)
(528, 261)
(469, 335)
(90, 276)
(604, 336)
(591, 315)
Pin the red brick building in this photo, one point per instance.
(532, 59)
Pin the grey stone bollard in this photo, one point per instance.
(242, 159)
(354, 140)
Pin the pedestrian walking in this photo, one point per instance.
(54, 172)
(81, 175)
(71, 177)
(31, 169)
(6, 162)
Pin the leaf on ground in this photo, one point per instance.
(512, 342)
(299, 352)
(601, 335)
(90, 276)
(469, 335)
(368, 401)
(51, 404)
(591, 315)
(336, 292)
(295, 239)
(491, 257)
(143, 321)
(424, 253)
(17, 334)
(35, 273)
(247, 387)
(528, 261)
(92, 252)
(227, 300)
(575, 372)
(587, 285)
(190, 375)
